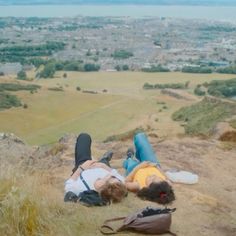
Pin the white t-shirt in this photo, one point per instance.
(90, 176)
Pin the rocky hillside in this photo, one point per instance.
(206, 208)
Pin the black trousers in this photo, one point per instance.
(83, 151)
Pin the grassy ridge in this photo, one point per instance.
(201, 117)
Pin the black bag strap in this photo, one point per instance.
(105, 227)
(84, 182)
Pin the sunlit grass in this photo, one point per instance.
(123, 107)
(32, 204)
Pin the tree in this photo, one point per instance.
(72, 66)
(198, 91)
(48, 71)
(21, 75)
(88, 53)
(91, 67)
(122, 54)
(125, 67)
(117, 67)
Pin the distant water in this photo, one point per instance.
(189, 12)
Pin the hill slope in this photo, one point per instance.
(199, 207)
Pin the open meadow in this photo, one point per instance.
(118, 103)
(110, 103)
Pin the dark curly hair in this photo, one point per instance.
(161, 193)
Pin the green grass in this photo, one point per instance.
(233, 123)
(125, 105)
(201, 117)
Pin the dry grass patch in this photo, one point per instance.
(33, 205)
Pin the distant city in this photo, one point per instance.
(145, 2)
(117, 43)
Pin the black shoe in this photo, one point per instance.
(130, 153)
(107, 157)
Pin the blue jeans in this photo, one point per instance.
(144, 152)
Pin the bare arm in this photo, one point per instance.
(132, 186)
(90, 164)
(86, 165)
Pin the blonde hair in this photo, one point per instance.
(113, 192)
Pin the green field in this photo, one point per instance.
(124, 106)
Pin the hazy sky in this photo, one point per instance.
(173, 2)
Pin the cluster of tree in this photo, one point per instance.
(227, 70)
(57, 89)
(20, 53)
(158, 68)
(121, 67)
(25, 22)
(196, 69)
(222, 88)
(52, 66)
(3, 41)
(21, 75)
(218, 88)
(164, 86)
(7, 101)
(48, 70)
(122, 54)
(199, 91)
(219, 28)
(73, 27)
(36, 61)
(18, 87)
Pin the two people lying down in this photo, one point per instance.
(144, 174)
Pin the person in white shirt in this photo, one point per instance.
(98, 176)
